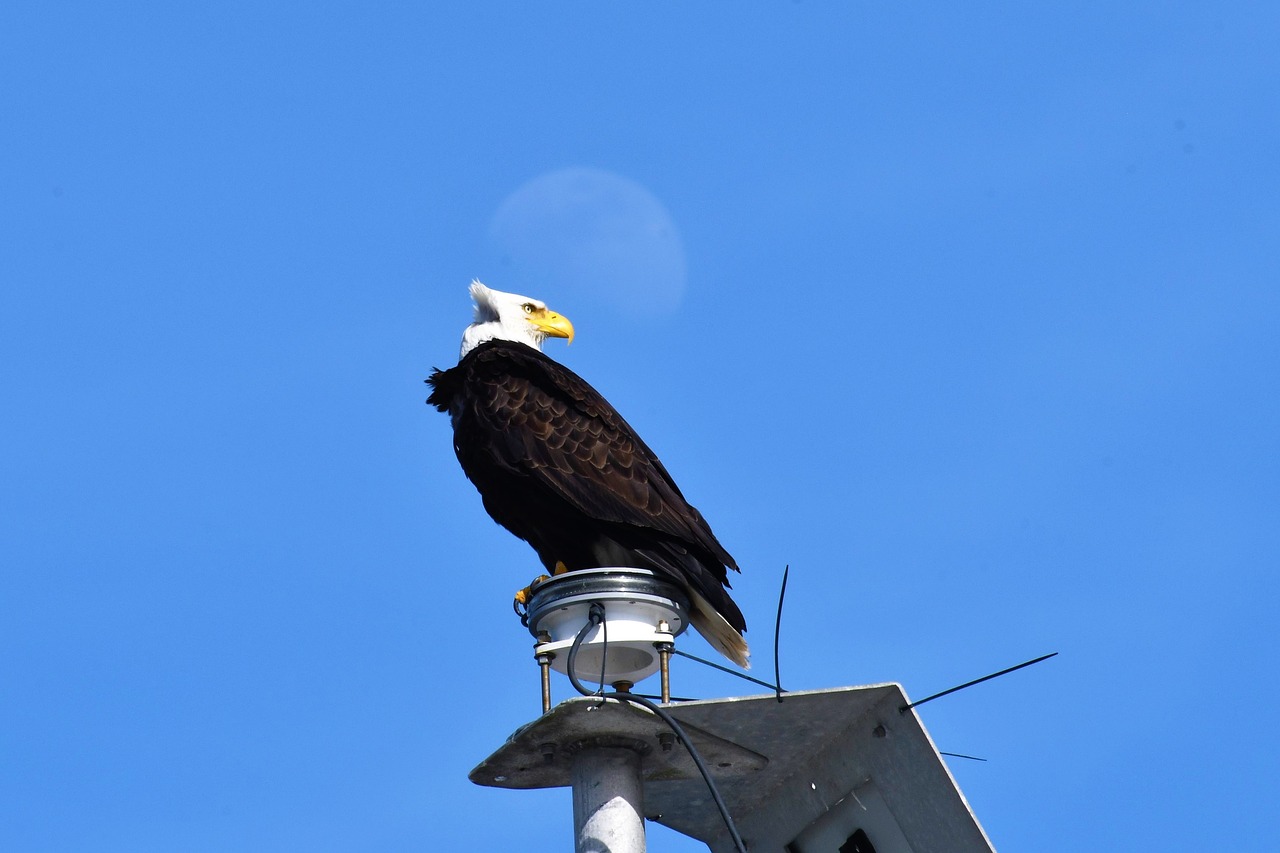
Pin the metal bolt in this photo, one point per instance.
(544, 664)
(667, 740)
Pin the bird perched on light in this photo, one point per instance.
(556, 465)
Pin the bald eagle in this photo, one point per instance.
(556, 465)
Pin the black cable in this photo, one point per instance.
(732, 672)
(949, 691)
(595, 616)
(697, 759)
(777, 631)
(604, 647)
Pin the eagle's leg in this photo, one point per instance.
(523, 596)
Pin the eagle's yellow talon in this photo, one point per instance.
(560, 568)
(523, 595)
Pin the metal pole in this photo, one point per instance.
(608, 801)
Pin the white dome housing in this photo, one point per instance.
(641, 609)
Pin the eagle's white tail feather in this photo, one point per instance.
(718, 632)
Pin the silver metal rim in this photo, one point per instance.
(605, 585)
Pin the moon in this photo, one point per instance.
(595, 234)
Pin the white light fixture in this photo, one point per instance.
(642, 611)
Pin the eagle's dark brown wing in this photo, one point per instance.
(551, 458)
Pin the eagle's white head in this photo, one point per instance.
(510, 317)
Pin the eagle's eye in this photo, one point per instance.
(529, 307)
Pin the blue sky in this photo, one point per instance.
(967, 313)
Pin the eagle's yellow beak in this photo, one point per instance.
(551, 324)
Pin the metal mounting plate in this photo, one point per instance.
(522, 762)
(787, 770)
